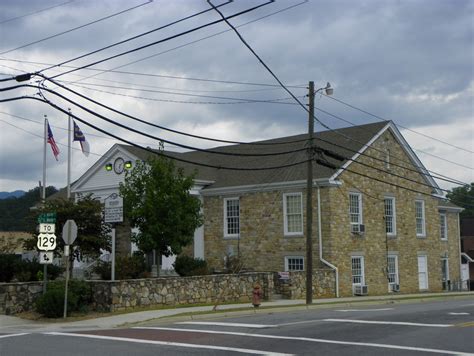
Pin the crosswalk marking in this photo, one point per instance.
(386, 322)
(255, 326)
(325, 341)
(169, 343)
(363, 310)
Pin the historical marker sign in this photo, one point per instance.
(113, 208)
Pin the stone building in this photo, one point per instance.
(380, 223)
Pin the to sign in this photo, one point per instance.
(46, 242)
(47, 228)
(46, 258)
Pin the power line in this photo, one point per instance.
(198, 40)
(132, 38)
(35, 12)
(162, 40)
(406, 128)
(76, 28)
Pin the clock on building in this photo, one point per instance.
(119, 165)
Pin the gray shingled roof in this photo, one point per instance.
(227, 178)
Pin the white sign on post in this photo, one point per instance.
(113, 208)
(46, 242)
(69, 232)
(46, 258)
(47, 228)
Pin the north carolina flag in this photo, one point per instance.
(52, 142)
(79, 136)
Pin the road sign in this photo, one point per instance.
(46, 242)
(47, 218)
(46, 258)
(69, 232)
(113, 208)
(47, 228)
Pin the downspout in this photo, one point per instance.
(330, 265)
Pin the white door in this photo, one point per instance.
(422, 272)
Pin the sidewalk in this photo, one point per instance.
(10, 324)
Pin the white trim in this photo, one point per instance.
(404, 144)
(251, 188)
(443, 216)
(294, 257)
(226, 234)
(425, 257)
(397, 277)
(285, 215)
(423, 232)
(394, 216)
(362, 271)
(361, 215)
(467, 257)
(450, 208)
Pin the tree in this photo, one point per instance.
(92, 233)
(158, 202)
(463, 197)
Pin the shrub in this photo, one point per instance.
(126, 267)
(51, 304)
(188, 266)
(12, 267)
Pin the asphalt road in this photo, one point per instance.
(429, 328)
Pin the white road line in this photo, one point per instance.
(255, 326)
(169, 343)
(12, 335)
(452, 313)
(386, 322)
(324, 341)
(363, 310)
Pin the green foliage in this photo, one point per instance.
(15, 212)
(12, 267)
(463, 197)
(157, 202)
(93, 232)
(126, 267)
(51, 304)
(188, 266)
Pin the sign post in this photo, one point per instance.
(46, 242)
(69, 235)
(113, 213)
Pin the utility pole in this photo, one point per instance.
(309, 199)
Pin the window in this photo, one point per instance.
(445, 269)
(355, 208)
(294, 263)
(231, 217)
(443, 226)
(423, 272)
(390, 219)
(358, 270)
(420, 217)
(392, 269)
(293, 216)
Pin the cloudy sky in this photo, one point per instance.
(410, 61)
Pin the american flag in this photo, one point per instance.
(52, 142)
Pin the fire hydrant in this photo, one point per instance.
(256, 295)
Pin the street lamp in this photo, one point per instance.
(309, 191)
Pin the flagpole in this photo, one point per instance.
(69, 155)
(43, 192)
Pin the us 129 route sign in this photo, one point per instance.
(46, 242)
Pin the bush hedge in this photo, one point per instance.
(189, 266)
(51, 304)
(12, 267)
(126, 267)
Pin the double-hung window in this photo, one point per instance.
(293, 213)
(355, 210)
(294, 263)
(392, 269)
(420, 218)
(443, 226)
(390, 217)
(358, 277)
(231, 217)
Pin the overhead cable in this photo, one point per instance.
(35, 12)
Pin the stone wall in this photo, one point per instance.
(19, 297)
(174, 291)
(324, 284)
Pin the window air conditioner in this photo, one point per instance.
(395, 287)
(357, 228)
(361, 290)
